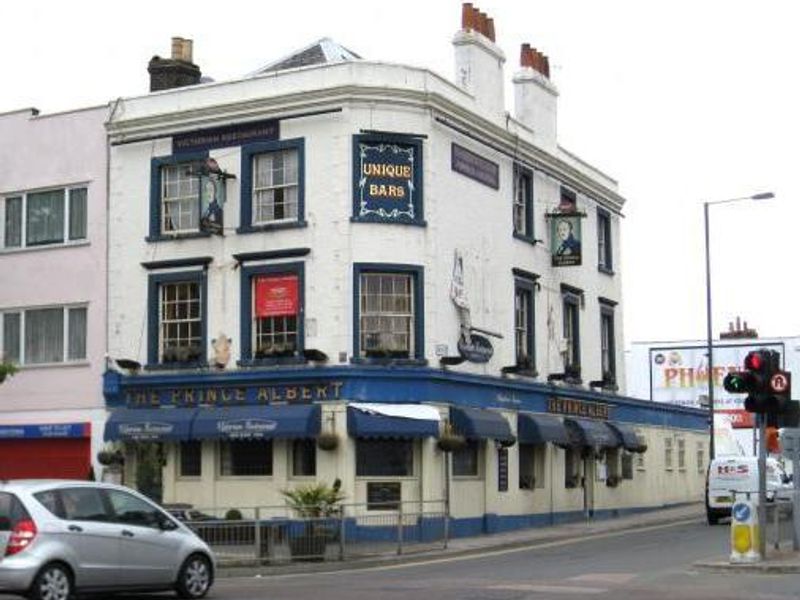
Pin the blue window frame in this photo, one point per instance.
(272, 186)
(572, 301)
(605, 250)
(387, 179)
(177, 319)
(388, 313)
(272, 339)
(522, 213)
(174, 203)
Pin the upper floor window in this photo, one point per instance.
(523, 203)
(607, 344)
(389, 312)
(175, 195)
(272, 185)
(177, 306)
(604, 248)
(571, 330)
(524, 338)
(48, 217)
(272, 312)
(44, 335)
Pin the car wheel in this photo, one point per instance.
(195, 577)
(713, 518)
(54, 582)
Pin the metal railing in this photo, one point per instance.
(279, 535)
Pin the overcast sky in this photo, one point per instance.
(682, 102)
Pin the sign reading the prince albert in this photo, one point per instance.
(565, 239)
(387, 179)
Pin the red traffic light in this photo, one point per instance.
(755, 361)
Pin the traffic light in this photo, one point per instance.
(768, 388)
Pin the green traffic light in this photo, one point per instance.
(735, 383)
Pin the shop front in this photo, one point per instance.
(46, 451)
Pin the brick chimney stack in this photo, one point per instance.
(177, 71)
(535, 96)
(479, 61)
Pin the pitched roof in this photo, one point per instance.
(322, 51)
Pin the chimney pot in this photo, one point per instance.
(467, 16)
(524, 58)
(177, 71)
(490, 28)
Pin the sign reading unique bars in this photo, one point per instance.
(276, 296)
(579, 408)
(223, 137)
(387, 179)
(474, 166)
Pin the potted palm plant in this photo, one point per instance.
(316, 504)
(7, 368)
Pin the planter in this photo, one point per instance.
(327, 441)
(451, 442)
(110, 458)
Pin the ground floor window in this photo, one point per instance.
(191, 453)
(466, 460)
(572, 462)
(384, 458)
(627, 465)
(245, 457)
(304, 458)
(531, 466)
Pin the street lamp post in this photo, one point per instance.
(709, 329)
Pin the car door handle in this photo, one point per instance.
(127, 533)
(76, 528)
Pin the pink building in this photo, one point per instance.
(52, 290)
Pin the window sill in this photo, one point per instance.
(385, 221)
(243, 477)
(54, 365)
(528, 239)
(271, 362)
(606, 270)
(41, 247)
(390, 362)
(161, 237)
(271, 226)
(175, 366)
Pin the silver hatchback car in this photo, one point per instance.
(59, 538)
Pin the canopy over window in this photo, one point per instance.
(627, 435)
(596, 434)
(399, 421)
(149, 424)
(540, 429)
(257, 422)
(479, 423)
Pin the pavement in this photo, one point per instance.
(522, 538)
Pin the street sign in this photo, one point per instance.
(779, 382)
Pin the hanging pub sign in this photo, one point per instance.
(566, 246)
(276, 296)
(387, 179)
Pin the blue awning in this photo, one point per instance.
(627, 435)
(257, 422)
(477, 423)
(586, 432)
(540, 429)
(149, 424)
(363, 424)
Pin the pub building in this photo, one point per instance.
(334, 268)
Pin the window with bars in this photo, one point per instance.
(387, 315)
(523, 203)
(245, 458)
(56, 216)
(44, 335)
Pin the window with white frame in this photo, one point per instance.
(181, 322)
(387, 315)
(180, 193)
(384, 458)
(49, 217)
(571, 331)
(191, 458)
(304, 458)
(681, 454)
(608, 363)
(604, 248)
(466, 460)
(524, 341)
(701, 458)
(44, 335)
(523, 202)
(275, 186)
(668, 453)
(640, 456)
(275, 315)
(245, 458)
(572, 467)
(531, 466)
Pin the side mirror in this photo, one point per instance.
(166, 524)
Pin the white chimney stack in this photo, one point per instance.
(535, 97)
(479, 61)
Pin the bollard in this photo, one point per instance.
(744, 531)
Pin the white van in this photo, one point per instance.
(727, 474)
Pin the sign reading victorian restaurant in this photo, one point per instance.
(579, 408)
(387, 178)
(220, 395)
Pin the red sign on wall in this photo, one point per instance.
(740, 418)
(276, 296)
